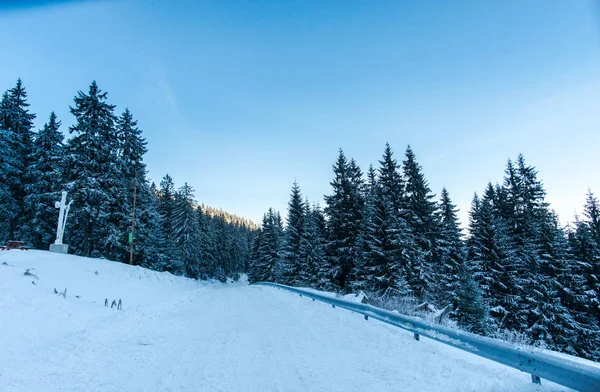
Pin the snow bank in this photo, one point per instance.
(93, 280)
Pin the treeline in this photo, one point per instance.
(100, 165)
(516, 270)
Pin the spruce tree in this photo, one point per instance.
(186, 231)
(492, 261)
(154, 254)
(166, 207)
(471, 310)
(132, 182)
(206, 245)
(344, 209)
(7, 163)
(537, 244)
(255, 267)
(422, 218)
(313, 248)
(92, 174)
(294, 233)
(552, 322)
(392, 183)
(16, 137)
(267, 263)
(44, 190)
(451, 253)
(591, 213)
(390, 250)
(583, 265)
(364, 250)
(222, 239)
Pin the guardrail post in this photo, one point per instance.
(366, 317)
(332, 305)
(417, 337)
(536, 379)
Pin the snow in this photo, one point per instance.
(360, 297)
(176, 334)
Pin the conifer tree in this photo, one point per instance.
(222, 240)
(390, 249)
(206, 245)
(344, 209)
(186, 231)
(16, 137)
(268, 261)
(581, 299)
(313, 248)
(591, 223)
(551, 321)
(422, 218)
(451, 253)
(471, 310)
(493, 262)
(255, 268)
(92, 173)
(7, 164)
(166, 207)
(537, 250)
(364, 250)
(294, 234)
(392, 183)
(46, 185)
(583, 265)
(153, 254)
(132, 180)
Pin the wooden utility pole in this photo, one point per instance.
(132, 220)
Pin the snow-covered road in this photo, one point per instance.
(219, 338)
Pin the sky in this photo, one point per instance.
(242, 98)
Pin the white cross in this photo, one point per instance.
(62, 217)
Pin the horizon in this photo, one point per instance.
(277, 90)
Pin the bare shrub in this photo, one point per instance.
(63, 293)
(411, 306)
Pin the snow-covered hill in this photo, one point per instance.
(176, 334)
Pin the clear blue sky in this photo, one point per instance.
(240, 98)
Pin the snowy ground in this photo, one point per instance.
(175, 334)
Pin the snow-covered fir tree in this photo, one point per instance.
(132, 184)
(186, 231)
(166, 207)
(344, 208)
(471, 310)
(16, 139)
(92, 174)
(313, 249)
(492, 260)
(422, 218)
(390, 248)
(206, 246)
(268, 250)
(45, 172)
(451, 253)
(294, 233)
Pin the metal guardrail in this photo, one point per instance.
(564, 371)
